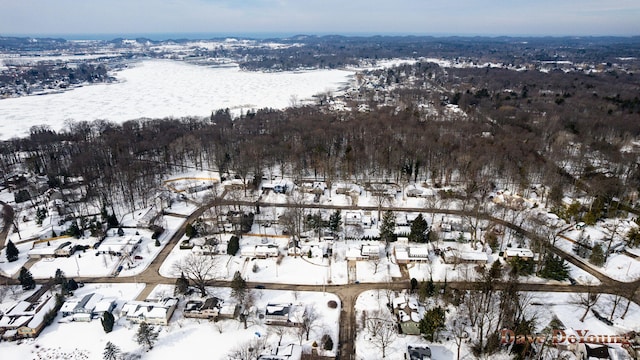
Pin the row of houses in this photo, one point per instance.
(25, 319)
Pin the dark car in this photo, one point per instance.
(259, 287)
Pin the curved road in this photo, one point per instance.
(349, 293)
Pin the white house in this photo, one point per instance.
(353, 218)
(288, 352)
(26, 318)
(510, 253)
(370, 251)
(156, 313)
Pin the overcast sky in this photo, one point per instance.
(428, 17)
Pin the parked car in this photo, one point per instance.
(138, 257)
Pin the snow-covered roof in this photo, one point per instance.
(353, 253)
(370, 250)
(402, 254)
(522, 253)
(421, 252)
(148, 309)
(104, 305)
(473, 256)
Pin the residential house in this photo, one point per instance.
(473, 257)
(420, 352)
(407, 254)
(260, 251)
(208, 309)
(26, 318)
(288, 352)
(65, 249)
(370, 251)
(155, 313)
(353, 218)
(407, 312)
(283, 314)
(511, 253)
(277, 314)
(91, 306)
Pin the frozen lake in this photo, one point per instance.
(164, 88)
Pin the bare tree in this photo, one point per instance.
(375, 263)
(381, 198)
(199, 269)
(250, 350)
(383, 333)
(614, 300)
(459, 332)
(279, 331)
(308, 321)
(585, 300)
(292, 218)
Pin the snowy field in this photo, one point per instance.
(80, 340)
(159, 89)
(544, 306)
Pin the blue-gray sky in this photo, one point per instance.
(430, 17)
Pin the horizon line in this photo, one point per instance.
(164, 36)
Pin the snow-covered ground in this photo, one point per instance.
(544, 306)
(86, 340)
(159, 89)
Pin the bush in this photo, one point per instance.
(332, 304)
(157, 231)
(327, 342)
(22, 196)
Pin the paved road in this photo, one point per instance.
(349, 293)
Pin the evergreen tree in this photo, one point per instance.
(431, 322)
(74, 230)
(554, 268)
(72, 285)
(190, 231)
(147, 336)
(335, 222)
(107, 321)
(60, 279)
(581, 247)
(419, 230)
(414, 285)
(633, 237)
(111, 351)
(112, 221)
(120, 231)
(26, 279)
(597, 257)
(431, 288)
(238, 287)
(182, 285)
(521, 267)
(327, 344)
(233, 245)
(12, 252)
(387, 227)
